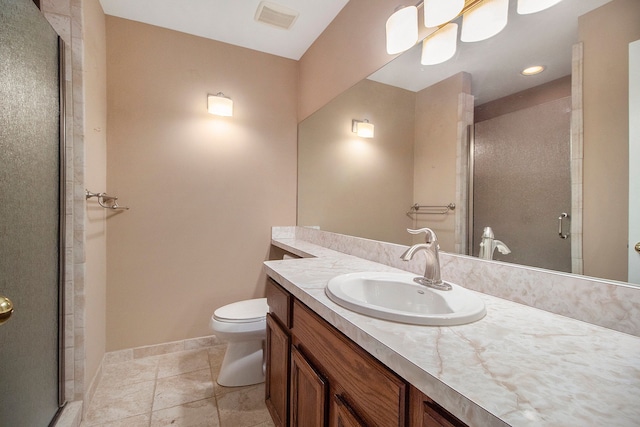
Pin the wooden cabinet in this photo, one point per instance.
(427, 413)
(344, 415)
(277, 354)
(279, 301)
(308, 393)
(317, 377)
(277, 372)
(375, 395)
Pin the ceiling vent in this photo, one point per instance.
(276, 15)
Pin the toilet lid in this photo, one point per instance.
(243, 311)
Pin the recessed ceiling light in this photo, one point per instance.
(530, 71)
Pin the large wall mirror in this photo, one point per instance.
(471, 143)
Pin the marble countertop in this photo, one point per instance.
(518, 366)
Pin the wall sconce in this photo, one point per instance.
(362, 128)
(220, 105)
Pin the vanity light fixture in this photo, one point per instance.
(533, 70)
(440, 46)
(485, 20)
(481, 20)
(402, 29)
(362, 128)
(220, 105)
(526, 7)
(438, 12)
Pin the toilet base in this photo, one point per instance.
(242, 364)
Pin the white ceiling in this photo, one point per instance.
(232, 21)
(542, 38)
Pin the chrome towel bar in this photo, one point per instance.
(432, 210)
(106, 201)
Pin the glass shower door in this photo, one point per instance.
(522, 184)
(30, 174)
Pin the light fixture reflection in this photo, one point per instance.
(362, 128)
(437, 12)
(440, 46)
(402, 30)
(220, 105)
(531, 71)
(485, 20)
(532, 6)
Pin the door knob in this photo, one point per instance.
(6, 309)
(638, 247)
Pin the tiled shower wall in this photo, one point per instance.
(65, 16)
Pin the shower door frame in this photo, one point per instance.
(62, 227)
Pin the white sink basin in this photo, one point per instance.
(396, 297)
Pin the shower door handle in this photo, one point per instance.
(562, 216)
(6, 309)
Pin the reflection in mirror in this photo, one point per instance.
(522, 176)
(455, 132)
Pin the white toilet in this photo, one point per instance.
(243, 325)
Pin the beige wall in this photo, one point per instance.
(356, 186)
(606, 34)
(203, 190)
(352, 47)
(95, 108)
(438, 112)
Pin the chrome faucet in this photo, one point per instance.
(431, 276)
(489, 244)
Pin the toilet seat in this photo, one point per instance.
(248, 311)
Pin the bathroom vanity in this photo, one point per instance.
(317, 376)
(518, 366)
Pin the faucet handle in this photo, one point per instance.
(430, 234)
(488, 232)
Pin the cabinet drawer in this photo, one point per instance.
(374, 392)
(427, 413)
(279, 301)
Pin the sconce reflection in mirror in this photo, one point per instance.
(362, 128)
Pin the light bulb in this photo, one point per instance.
(440, 46)
(485, 20)
(402, 30)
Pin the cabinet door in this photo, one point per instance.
(373, 391)
(427, 413)
(277, 375)
(344, 415)
(308, 393)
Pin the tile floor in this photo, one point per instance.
(176, 389)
